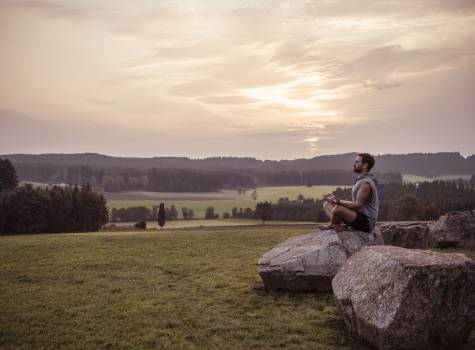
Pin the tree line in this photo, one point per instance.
(185, 180)
(421, 201)
(28, 209)
(424, 164)
(398, 202)
(141, 213)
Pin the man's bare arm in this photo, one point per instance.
(361, 198)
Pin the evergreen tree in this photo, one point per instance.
(161, 215)
(209, 214)
(263, 211)
(27, 209)
(8, 176)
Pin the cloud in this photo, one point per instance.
(55, 9)
(275, 78)
(227, 100)
(129, 79)
(101, 102)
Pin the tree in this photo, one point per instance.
(161, 215)
(171, 213)
(263, 211)
(184, 212)
(407, 208)
(27, 209)
(8, 176)
(209, 214)
(23, 210)
(431, 212)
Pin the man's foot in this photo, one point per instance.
(336, 227)
(339, 228)
(326, 227)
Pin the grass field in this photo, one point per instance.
(222, 201)
(216, 222)
(417, 178)
(194, 289)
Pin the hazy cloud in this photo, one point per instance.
(275, 79)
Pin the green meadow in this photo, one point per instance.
(222, 201)
(170, 289)
(178, 224)
(417, 178)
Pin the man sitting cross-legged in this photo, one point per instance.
(362, 212)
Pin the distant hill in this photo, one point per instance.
(423, 164)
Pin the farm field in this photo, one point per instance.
(193, 289)
(417, 178)
(215, 222)
(222, 201)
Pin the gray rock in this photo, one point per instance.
(398, 298)
(405, 235)
(454, 229)
(309, 262)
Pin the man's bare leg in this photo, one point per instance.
(343, 215)
(335, 221)
(339, 216)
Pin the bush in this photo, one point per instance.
(141, 225)
(209, 214)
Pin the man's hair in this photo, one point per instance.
(368, 159)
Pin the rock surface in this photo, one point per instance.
(398, 298)
(309, 262)
(454, 229)
(405, 235)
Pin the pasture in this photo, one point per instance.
(172, 289)
(417, 178)
(177, 224)
(222, 201)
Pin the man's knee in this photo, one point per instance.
(337, 209)
(327, 205)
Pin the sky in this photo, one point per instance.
(265, 79)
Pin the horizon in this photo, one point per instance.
(224, 156)
(266, 80)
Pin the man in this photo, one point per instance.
(361, 212)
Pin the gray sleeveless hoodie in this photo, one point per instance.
(371, 207)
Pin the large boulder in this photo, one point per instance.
(405, 234)
(454, 229)
(399, 298)
(309, 262)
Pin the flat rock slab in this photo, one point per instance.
(309, 262)
(454, 229)
(399, 298)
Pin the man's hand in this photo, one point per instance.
(331, 199)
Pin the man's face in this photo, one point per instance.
(358, 165)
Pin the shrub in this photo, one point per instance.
(141, 225)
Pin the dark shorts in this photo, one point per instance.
(361, 223)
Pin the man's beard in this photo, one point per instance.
(356, 170)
